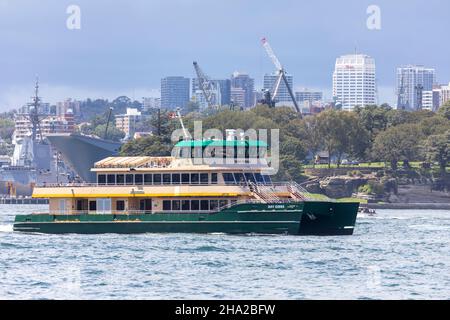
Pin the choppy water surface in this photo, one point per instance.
(399, 254)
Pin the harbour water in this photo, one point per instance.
(397, 254)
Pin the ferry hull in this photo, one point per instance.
(307, 218)
(242, 219)
(328, 218)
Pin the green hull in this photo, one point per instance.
(328, 218)
(240, 219)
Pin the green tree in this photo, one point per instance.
(6, 129)
(437, 148)
(113, 133)
(398, 143)
(155, 146)
(342, 133)
(434, 125)
(374, 119)
(444, 110)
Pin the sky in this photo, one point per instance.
(124, 47)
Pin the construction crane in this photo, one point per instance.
(270, 97)
(105, 136)
(206, 85)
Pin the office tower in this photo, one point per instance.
(412, 82)
(174, 92)
(244, 82)
(354, 81)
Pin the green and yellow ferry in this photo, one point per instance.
(178, 195)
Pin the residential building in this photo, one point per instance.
(174, 92)
(127, 122)
(310, 96)
(149, 103)
(427, 100)
(44, 108)
(68, 106)
(354, 81)
(412, 81)
(444, 95)
(47, 125)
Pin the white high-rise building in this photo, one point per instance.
(412, 82)
(354, 81)
(428, 100)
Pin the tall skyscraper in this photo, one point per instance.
(412, 82)
(174, 92)
(283, 93)
(354, 81)
(244, 82)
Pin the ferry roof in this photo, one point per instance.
(221, 143)
(133, 162)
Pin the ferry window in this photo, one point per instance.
(157, 178)
(176, 178)
(167, 205)
(120, 179)
(195, 205)
(138, 179)
(233, 201)
(185, 205)
(176, 205)
(166, 178)
(148, 179)
(267, 179)
(213, 204)
(145, 205)
(80, 205)
(249, 176)
(92, 205)
(239, 177)
(213, 178)
(204, 205)
(223, 203)
(194, 178)
(101, 179)
(130, 179)
(228, 178)
(111, 179)
(259, 177)
(120, 205)
(185, 178)
(203, 178)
